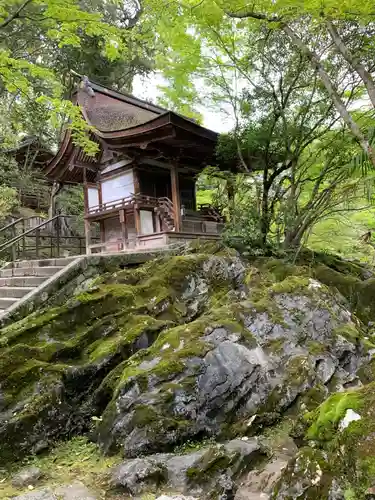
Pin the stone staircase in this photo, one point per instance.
(17, 279)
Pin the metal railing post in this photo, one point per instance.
(37, 242)
(23, 239)
(14, 253)
(58, 236)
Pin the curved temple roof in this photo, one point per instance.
(128, 125)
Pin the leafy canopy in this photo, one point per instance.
(34, 36)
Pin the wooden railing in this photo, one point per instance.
(112, 205)
(167, 205)
(131, 200)
(36, 242)
(206, 210)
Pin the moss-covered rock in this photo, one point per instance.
(236, 368)
(182, 348)
(341, 438)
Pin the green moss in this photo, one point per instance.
(263, 302)
(280, 269)
(144, 416)
(327, 417)
(315, 348)
(74, 460)
(275, 346)
(349, 332)
(129, 330)
(310, 465)
(366, 372)
(292, 284)
(213, 460)
(314, 397)
(297, 370)
(168, 368)
(190, 446)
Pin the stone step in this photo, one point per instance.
(32, 281)
(30, 271)
(7, 302)
(61, 262)
(15, 291)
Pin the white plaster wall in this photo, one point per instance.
(118, 187)
(147, 226)
(93, 197)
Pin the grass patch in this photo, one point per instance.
(74, 460)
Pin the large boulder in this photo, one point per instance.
(234, 369)
(52, 362)
(181, 349)
(74, 491)
(337, 459)
(209, 471)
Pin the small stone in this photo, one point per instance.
(74, 491)
(165, 497)
(314, 285)
(27, 477)
(135, 476)
(350, 416)
(370, 493)
(45, 494)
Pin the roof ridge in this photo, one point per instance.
(125, 97)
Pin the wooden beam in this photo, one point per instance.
(137, 220)
(102, 231)
(86, 204)
(85, 193)
(88, 166)
(137, 190)
(137, 184)
(124, 229)
(100, 194)
(176, 198)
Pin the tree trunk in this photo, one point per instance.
(264, 215)
(231, 195)
(339, 104)
(54, 192)
(354, 62)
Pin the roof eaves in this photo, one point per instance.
(128, 98)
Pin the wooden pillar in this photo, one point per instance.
(101, 223)
(124, 229)
(137, 185)
(86, 204)
(100, 196)
(176, 198)
(137, 215)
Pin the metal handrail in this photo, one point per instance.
(11, 242)
(11, 224)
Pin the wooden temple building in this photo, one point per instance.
(140, 186)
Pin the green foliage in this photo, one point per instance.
(342, 234)
(8, 200)
(42, 41)
(243, 231)
(327, 417)
(287, 136)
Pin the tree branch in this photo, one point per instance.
(353, 61)
(15, 14)
(316, 64)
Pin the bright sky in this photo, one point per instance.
(147, 88)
